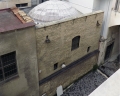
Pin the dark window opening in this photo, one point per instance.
(44, 0)
(117, 5)
(75, 42)
(55, 66)
(88, 49)
(8, 67)
(108, 51)
(22, 5)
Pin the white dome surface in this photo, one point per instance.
(52, 10)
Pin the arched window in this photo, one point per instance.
(75, 42)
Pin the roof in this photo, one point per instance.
(52, 10)
(67, 19)
(10, 19)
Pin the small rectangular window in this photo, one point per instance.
(88, 49)
(22, 5)
(55, 66)
(8, 66)
(44, 0)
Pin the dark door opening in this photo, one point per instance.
(108, 51)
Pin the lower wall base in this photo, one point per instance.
(68, 75)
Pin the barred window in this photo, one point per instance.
(22, 5)
(75, 42)
(8, 67)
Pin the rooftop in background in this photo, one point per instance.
(12, 19)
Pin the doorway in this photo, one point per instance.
(108, 51)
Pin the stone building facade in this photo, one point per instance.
(18, 61)
(46, 57)
(112, 43)
(51, 56)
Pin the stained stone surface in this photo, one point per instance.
(86, 85)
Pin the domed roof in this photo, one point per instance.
(52, 10)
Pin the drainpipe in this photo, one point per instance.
(102, 45)
(119, 40)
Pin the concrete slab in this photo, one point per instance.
(111, 87)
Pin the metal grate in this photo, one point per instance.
(88, 49)
(8, 66)
(22, 5)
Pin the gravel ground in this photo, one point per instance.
(86, 85)
(92, 80)
(109, 68)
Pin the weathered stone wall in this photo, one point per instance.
(59, 49)
(113, 36)
(68, 76)
(24, 43)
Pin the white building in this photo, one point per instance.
(18, 3)
(109, 45)
(84, 6)
(109, 42)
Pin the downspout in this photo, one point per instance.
(105, 29)
(119, 40)
(102, 45)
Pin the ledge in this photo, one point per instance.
(79, 61)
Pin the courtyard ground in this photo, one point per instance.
(88, 83)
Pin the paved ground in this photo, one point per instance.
(92, 80)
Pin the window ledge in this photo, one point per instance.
(75, 49)
(9, 79)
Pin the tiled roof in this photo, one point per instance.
(11, 20)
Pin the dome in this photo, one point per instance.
(52, 10)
